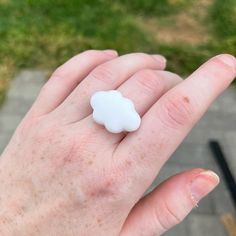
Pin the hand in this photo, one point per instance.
(62, 174)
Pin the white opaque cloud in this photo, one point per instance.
(114, 111)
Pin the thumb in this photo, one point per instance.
(169, 203)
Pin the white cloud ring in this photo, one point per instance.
(114, 111)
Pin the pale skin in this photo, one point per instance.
(62, 174)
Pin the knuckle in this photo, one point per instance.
(57, 73)
(150, 81)
(223, 67)
(93, 54)
(38, 129)
(142, 55)
(43, 134)
(108, 186)
(103, 73)
(145, 58)
(28, 125)
(172, 75)
(166, 217)
(48, 86)
(178, 110)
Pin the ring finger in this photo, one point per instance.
(144, 88)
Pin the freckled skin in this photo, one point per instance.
(68, 172)
(186, 99)
(61, 174)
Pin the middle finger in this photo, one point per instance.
(106, 76)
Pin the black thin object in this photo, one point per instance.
(223, 165)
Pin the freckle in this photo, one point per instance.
(186, 99)
(99, 221)
(90, 162)
(128, 163)
(142, 156)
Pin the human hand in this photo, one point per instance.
(62, 174)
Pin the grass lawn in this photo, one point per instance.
(45, 33)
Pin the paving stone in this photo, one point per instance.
(8, 123)
(4, 139)
(27, 84)
(228, 145)
(222, 201)
(217, 121)
(196, 155)
(226, 101)
(178, 230)
(200, 135)
(16, 106)
(28, 77)
(206, 205)
(205, 225)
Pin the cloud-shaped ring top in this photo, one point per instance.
(114, 111)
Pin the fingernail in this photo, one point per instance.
(228, 60)
(203, 184)
(111, 52)
(160, 58)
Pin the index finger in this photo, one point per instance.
(169, 120)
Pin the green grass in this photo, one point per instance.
(154, 7)
(223, 25)
(45, 33)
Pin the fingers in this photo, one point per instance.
(144, 88)
(67, 77)
(147, 86)
(166, 124)
(109, 75)
(169, 203)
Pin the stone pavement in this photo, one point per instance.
(218, 123)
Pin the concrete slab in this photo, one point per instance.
(8, 123)
(205, 225)
(27, 84)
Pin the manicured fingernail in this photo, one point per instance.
(160, 58)
(228, 60)
(203, 184)
(111, 52)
